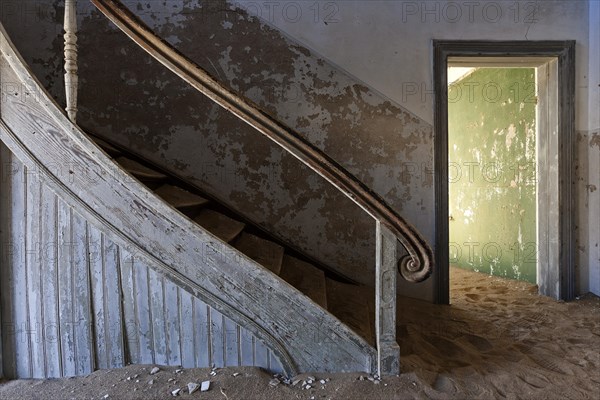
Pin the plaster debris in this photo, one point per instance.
(176, 392)
(192, 387)
(154, 370)
(171, 380)
(151, 382)
(177, 371)
(205, 386)
(235, 374)
(274, 382)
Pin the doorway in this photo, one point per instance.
(492, 179)
(549, 243)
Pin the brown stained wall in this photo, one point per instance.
(131, 99)
(155, 114)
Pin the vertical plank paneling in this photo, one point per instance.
(261, 354)
(106, 301)
(144, 318)
(49, 277)
(246, 347)
(73, 301)
(100, 318)
(202, 337)
(129, 318)
(19, 272)
(232, 342)
(84, 348)
(172, 322)
(157, 317)
(115, 346)
(217, 339)
(274, 364)
(65, 290)
(186, 329)
(33, 254)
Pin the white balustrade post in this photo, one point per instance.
(388, 351)
(71, 77)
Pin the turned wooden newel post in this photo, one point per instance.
(388, 351)
(71, 78)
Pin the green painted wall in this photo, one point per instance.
(492, 183)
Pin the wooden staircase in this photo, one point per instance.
(351, 304)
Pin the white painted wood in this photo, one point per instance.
(106, 301)
(158, 321)
(164, 242)
(71, 69)
(202, 334)
(131, 328)
(187, 327)
(217, 339)
(232, 343)
(52, 349)
(65, 291)
(34, 241)
(172, 322)
(386, 259)
(82, 310)
(18, 320)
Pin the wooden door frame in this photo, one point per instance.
(564, 51)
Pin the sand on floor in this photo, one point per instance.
(498, 340)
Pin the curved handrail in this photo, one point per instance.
(414, 267)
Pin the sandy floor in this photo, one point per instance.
(499, 339)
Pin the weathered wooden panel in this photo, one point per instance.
(164, 243)
(74, 301)
(49, 220)
(106, 297)
(34, 239)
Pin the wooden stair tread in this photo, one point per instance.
(140, 171)
(180, 198)
(107, 147)
(351, 305)
(306, 278)
(264, 252)
(220, 225)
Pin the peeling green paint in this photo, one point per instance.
(492, 182)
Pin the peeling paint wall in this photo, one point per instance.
(492, 168)
(297, 72)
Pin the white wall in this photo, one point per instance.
(387, 45)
